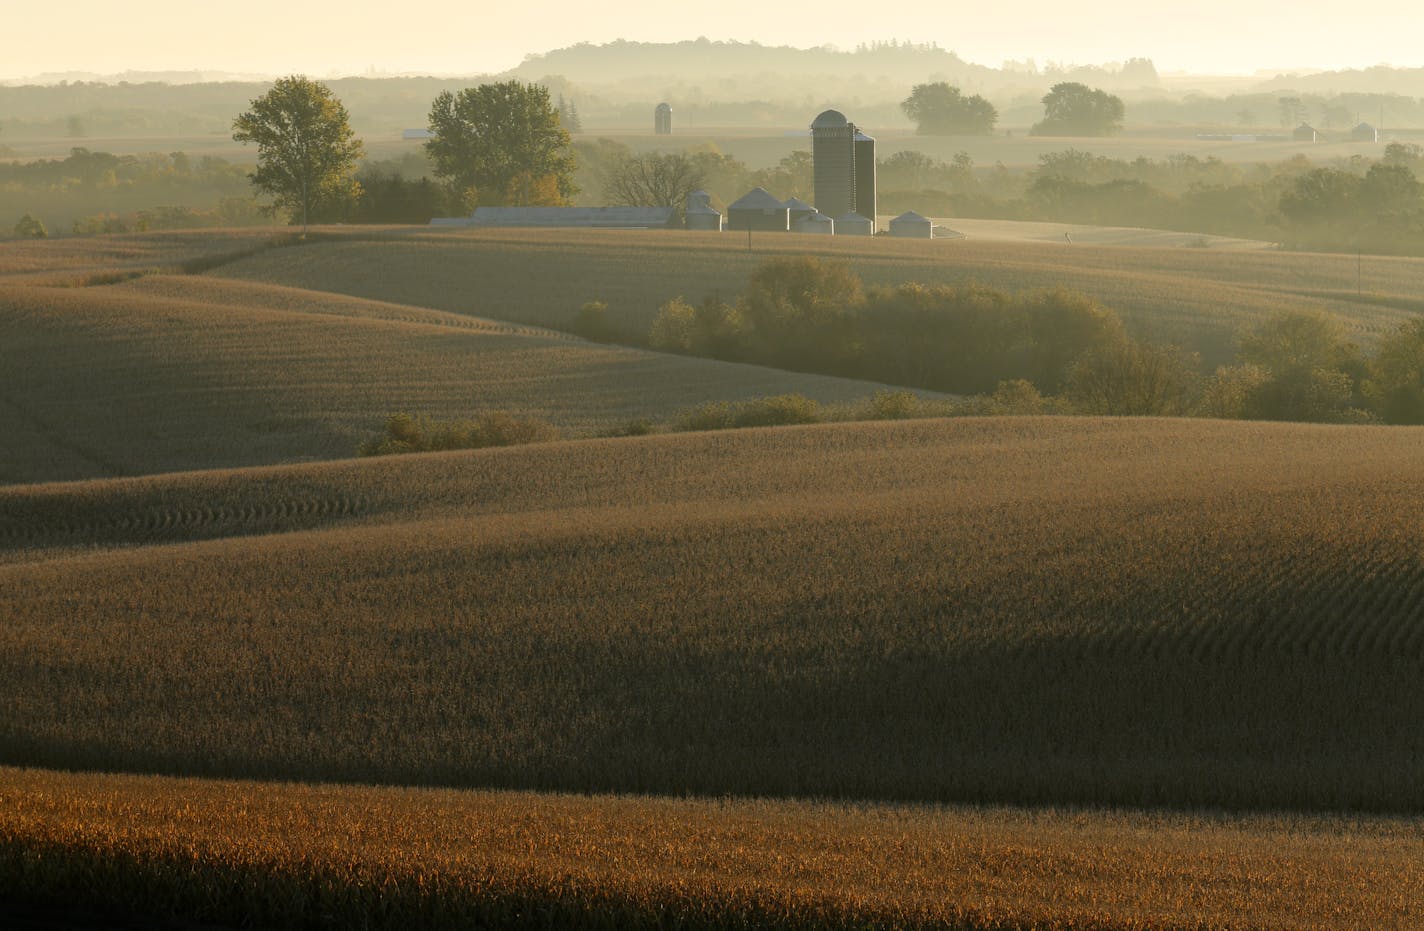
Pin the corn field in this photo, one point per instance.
(998, 610)
(753, 678)
(296, 856)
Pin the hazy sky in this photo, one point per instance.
(442, 36)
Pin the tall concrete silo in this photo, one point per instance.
(833, 157)
(865, 177)
(662, 120)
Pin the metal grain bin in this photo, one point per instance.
(800, 210)
(911, 225)
(662, 119)
(758, 210)
(816, 223)
(700, 215)
(853, 224)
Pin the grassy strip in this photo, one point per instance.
(408, 433)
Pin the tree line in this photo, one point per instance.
(500, 143)
(88, 190)
(1070, 108)
(1048, 349)
(1364, 204)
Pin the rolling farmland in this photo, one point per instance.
(1198, 298)
(1185, 626)
(170, 372)
(327, 856)
(990, 610)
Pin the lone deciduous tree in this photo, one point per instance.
(501, 144)
(656, 179)
(939, 109)
(30, 227)
(306, 150)
(1073, 109)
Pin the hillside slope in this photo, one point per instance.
(1035, 610)
(1197, 298)
(168, 372)
(292, 855)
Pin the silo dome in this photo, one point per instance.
(830, 119)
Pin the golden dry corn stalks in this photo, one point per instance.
(1038, 610)
(285, 855)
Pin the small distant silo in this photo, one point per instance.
(910, 225)
(700, 214)
(1305, 133)
(662, 119)
(816, 223)
(853, 224)
(865, 177)
(758, 210)
(1364, 133)
(800, 210)
(833, 157)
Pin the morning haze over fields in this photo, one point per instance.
(629, 468)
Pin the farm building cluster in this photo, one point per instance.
(843, 160)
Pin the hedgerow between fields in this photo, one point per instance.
(804, 314)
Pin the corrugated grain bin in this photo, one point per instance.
(816, 223)
(758, 210)
(853, 224)
(800, 210)
(910, 225)
(703, 218)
